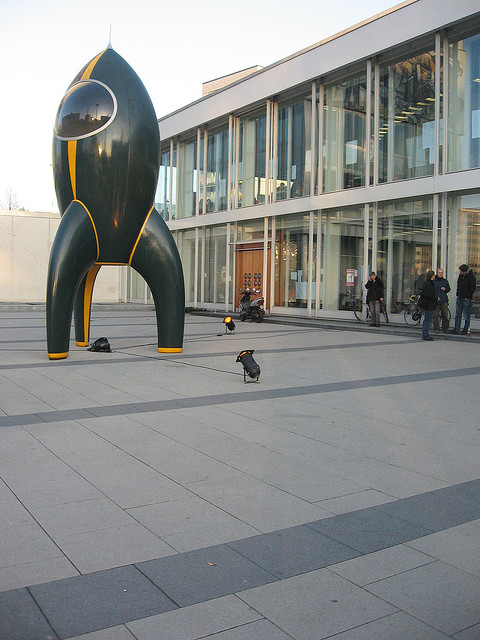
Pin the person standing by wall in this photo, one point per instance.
(375, 289)
(442, 287)
(466, 285)
(428, 303)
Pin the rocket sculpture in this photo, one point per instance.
(106, 151)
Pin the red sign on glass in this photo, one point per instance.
(350, 277)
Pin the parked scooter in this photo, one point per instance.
(253, 309)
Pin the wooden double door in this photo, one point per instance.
(249, 270)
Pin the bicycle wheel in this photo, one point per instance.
(412, 316)
(358, 310)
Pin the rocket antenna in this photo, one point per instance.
(110, 38)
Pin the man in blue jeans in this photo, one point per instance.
(428, 301)
(466, 286)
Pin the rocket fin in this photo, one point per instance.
(155, 257)
(74, 252)
(83, 306)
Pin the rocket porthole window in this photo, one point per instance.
(88, 107)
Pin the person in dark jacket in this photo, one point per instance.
(466, 286)
(442, 287)
(429, 303)
(374, 289)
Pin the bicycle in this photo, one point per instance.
(413, 313)
(358, 311)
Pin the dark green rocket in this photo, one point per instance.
(106, 150)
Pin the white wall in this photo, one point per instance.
(25, 242)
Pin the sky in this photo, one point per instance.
(174, 46)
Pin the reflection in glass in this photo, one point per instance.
(86, 107)
(291, 261)
(294, 150)
(464, 104)
(186, 249)
(407, 118)
(251, 168)
(342, 258)
(162, 197)
(464, 239)
(344, 134)
(215, 264)
(404, 248)
(216, 174)
(187, 179)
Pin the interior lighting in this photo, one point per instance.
(250, 367)
(430, 99)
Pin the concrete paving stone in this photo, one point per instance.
(315, 605)
(432, 511)
(177, 461)
(18, 445)
(18, 605)
(252, 631)
(452, 467)
(442, 596)
(123, 478)
(207, 536)
(195, 621)
(384, 477)
(292, 551)
(318, 487)
(261, 506)
(99, 600)
(355, 501)
(472, 633)
(457, 546)
(381, 564)
(16, 400)
(466, 492)
(60, 392)
(180, 516)
(112, 547)
(369, 530)
(119, 632)
(27, 543)
(48, 482)
(13, 513)
(398, 626)
(196, 576)
(81, 517)
(27, 573)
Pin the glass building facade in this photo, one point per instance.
(371, 166)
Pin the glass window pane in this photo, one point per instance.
(342, 258)
(186, 249)
(216, 175)
(404, 248)
(464, 104)
(162, 196)
(407, 118)
(251, 168)
(344, 134)
(291, 261)
(215, 264)
(294, 152)
(187, 179)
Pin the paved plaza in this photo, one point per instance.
(148, 496)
